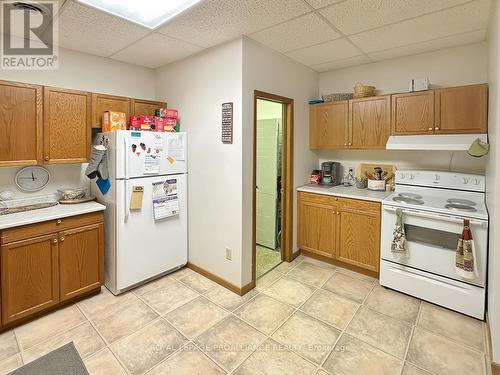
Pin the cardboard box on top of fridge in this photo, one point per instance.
(165, 124)
(112, 121)
(166, 112)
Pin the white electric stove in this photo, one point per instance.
(434, 206)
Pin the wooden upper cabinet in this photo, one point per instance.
(461, 109)
(20, 124)
(103, 102)
(67, 125)
(81, 255)
(369, 122)
(413, 113)
(145, 107)
(359, 234)
(328, 125)
(29, 280)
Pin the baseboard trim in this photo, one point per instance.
(340, 264)
(296, 254)
(219, 280)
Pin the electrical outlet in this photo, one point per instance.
(229, 254)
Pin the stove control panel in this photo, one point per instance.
(445, 180)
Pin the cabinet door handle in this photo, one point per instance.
(338, 212)
(436, 128)
(47, 158)
(54, 240)
(58, 222)
(350, 144)
(430, 129)
(62, 239)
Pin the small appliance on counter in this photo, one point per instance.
(330, 173)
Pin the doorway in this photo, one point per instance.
(273, 117)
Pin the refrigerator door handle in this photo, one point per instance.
(127, 155)
(126, 195)
(127, 202)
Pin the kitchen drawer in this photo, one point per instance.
(48, 227)
(318, 198)
(359, 205)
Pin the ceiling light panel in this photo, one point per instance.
(148, 13)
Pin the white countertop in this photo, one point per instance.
(346, 192)
(51, 213)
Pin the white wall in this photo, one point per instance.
(80, 71)
(271, 72)
(493, 181)
(197, 86)
(450, 67)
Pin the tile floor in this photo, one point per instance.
(304, 317)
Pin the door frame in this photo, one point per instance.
(286, 178)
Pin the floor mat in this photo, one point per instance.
(267, 259)
(62, 361)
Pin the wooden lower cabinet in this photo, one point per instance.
(345, 230)
(53, 266)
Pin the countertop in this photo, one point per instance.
(51, 213)
(346, 192)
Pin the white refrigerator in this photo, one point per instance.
(143, 241)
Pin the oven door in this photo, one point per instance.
(432, 240)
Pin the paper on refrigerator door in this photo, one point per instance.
(175, 147)
(151, 164)
(165, 199)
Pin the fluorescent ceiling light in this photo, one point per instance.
(148, 13)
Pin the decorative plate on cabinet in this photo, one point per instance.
(33, 178)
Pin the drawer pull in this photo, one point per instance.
(54, 240)
(62, 239)
(58, 222)
(436, 128)
(430, 129)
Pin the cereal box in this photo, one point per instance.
(112, 121)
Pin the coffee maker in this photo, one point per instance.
(330, 173)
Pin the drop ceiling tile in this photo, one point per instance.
(155, 50)
(344, 63)
(354, 16)
(92, 31)
(431, 45)
(465, 18)
(298, 33)
(317, 4)
(330, 51)
(212, 22)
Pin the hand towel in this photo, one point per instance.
(398, 245)
(98, 165)
(465, 255)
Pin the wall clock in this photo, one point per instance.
(33, 178)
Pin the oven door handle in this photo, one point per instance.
(436, 216)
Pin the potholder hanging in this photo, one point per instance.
(398, 245)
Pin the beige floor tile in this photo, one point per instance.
(196, 316)
(348, 287)
(198, 282)
(442, 356)
(290, 291)
(227, 299)
(167, 299)
(162, 282)
(267, 280)
(183, 272)
(356, 275)
(354, 357)
(410, 369)
(87, 342)
(230, 342)
(310, 274)
(104, 363)
(95, 306)
(307, 336)
(192, 362)
(8, 345)
(271, 360)
(264, 313)
(458, 327)
(318, 263)
(49, 325)
(147, 347)
(10, 364)
(322, 372)
(330, 308)
(286, 267)
(381, 331)
(123, 318)
(395, 304)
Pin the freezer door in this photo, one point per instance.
(144, 247)
(142, 154)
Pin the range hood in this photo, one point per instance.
(455, 142)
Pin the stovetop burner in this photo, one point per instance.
(464, 202)
(411, 196)
(404, 199)
(460, 207)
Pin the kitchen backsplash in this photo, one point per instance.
(61, 176)
(456, 161)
